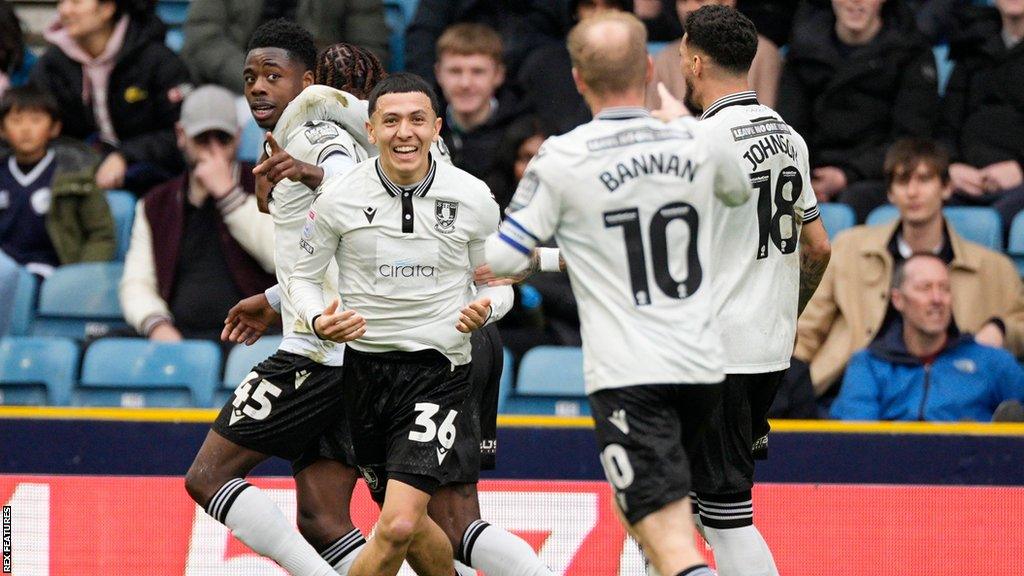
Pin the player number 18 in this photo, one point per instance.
(770, 225)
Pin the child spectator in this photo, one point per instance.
(117, 86)
(51, 211)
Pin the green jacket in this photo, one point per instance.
(79, 222)
(218, 31)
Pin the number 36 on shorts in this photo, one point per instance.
(445, 433)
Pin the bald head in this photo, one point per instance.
(609, 53)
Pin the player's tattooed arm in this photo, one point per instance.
(815, 252)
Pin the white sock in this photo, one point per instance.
(463, 570)
(741, 551)
(342, 553)
(497, 552)
(258, 522)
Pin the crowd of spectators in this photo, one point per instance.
(106, 104)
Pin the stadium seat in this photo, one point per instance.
(836, 218)
(975, 223)
(122, 208)
(80, 301)
(134, 372)
(240, 361)
(550, 381)
(882, 215)
(251, 142)
(36, 371)
(943, 66)
(507, 379)
(17, 297)
(173, 13)
(654, 47)
(1016, 247)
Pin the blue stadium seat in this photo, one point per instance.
(1016, 247)
(80, 301)
(36, 371)
(122, 208)
(654, 47)
(240, 361)
(394, 14)
(251, 142)
(507, 381)
(943, 66)
(975, 223)
(882, 215)
(550, 381)
(17, 297)
(173, 13)
(836, 218)
(134, 372)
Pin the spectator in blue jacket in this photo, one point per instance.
(922, 368)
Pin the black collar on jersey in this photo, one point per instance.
(421, 189)
(745, 98)
(622, 113)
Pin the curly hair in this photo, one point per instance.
(288, 36)
(727, 36)
(348, 67)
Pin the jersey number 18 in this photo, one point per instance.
(769, 225)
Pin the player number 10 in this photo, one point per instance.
(629, 220)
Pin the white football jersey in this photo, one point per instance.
(756, 245)
(405, 255)
(290, 203)
(630, 201)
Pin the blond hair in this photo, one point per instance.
(605, 66)
(467, 39)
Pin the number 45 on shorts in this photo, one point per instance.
(445, 433)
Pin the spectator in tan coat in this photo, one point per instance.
(852, 303)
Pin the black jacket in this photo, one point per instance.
(545, 80)
(851, 107)
(523, 25)
(144, 95)
(984, 104)
(475, 150)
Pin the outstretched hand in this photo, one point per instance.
(248, 320)
(339, 326)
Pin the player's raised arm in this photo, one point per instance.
(499, 297)
(317, 247)
(532, 218)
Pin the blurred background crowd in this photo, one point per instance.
(126, 205)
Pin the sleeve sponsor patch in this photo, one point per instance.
(320, 132)
(525, 192)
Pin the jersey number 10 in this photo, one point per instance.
(769, 225)
(629, 220)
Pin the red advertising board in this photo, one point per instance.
(63, 525)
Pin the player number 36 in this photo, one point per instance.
(445, 433)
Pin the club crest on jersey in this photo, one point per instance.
(445, 211)
(320, 132)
